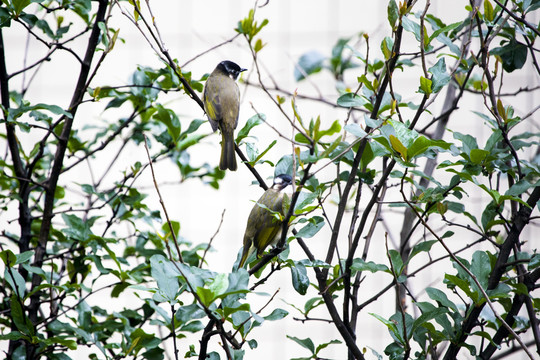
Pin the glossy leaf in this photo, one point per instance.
(440, 78)
(513, 55)
(300, 279)
(351, 100)
(305, 343)
(308, 64)
(252, 122)
(314, 225)
(393, 13)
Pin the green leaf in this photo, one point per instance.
(361, 265)
(481, 268)
(312, 304)
(397, 261)
(398, 147)
(19, 319)
(169, 119)
(489, 13)
(462, 284)
(189, 141)
(368, 84)
(478, 156)
(14, 335)
(77, 229)
(165, 274)
(440, 77)
(389, 324)
(393, 13)
(253, 121)
(334, 128)
(387, 46)
(258, 45)
(277, 314)
(305, 199)
(534, 262)
(513, 55)
(422, 145)
(70, 344)
(8, 257)
(501, 110)
(238, 280)
(425, 86)
(503, 291)
(55, 109)
(233, 309)
(308, 64)
(118, 288)
(300, 279)
(285, 166)
(403, 133)
(194, 275)
(5, 17)
(468, 141)
(355, 129)
(412, 27)
(426, 317)
(441, 298)
(219, 284)
(530, 5)
(339, 62)
(143, 340)
(184, 314)
(15, 281)
(249, 27)
(305, 343)
(325, 345)
(442, 30)
(259, 157)
(330, 148)
(166, 227)
(351, 100)
(424, 246)
(313, 226)
(193, 126)
(192, 326)
(19, 5)
(205, 295)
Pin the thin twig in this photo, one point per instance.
(173, 332)
(212, 239)
(162, 202)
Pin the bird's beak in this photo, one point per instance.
(242, 70)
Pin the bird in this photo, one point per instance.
(221, 99)
(262, 227)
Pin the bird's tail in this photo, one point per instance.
(228, 158)
(246, 252)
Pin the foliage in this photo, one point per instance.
(386, 154)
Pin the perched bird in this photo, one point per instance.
(221, 100)
(262, 227)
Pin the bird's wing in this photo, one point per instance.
(269, 225)
(212, 103)
(237, 110)
(266, 237)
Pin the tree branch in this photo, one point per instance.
(59, 157)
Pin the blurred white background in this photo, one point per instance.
(188, 29)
